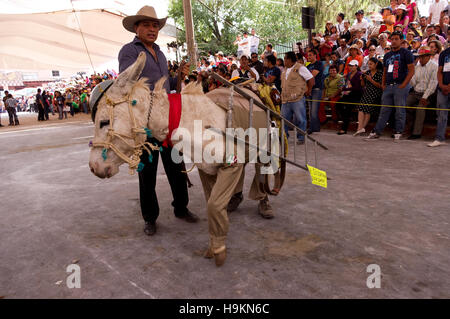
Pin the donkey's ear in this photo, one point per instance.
(160, 84)
(132, 73)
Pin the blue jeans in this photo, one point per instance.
(84, 104)
(298, 108)
(442, 103)
(314, 123)
(392, 95)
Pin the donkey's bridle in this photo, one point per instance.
(133, 160)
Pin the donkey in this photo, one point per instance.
(126, 114)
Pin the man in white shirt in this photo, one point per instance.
(382, 38)
(254, 42)
(211, 58)
(435, 11)
(294, 88)
(424, 83)
(241, 44)
(343, 49)
(340, 23)
(246, 44)
(245, 71)
(360, 23)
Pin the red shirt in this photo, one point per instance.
(324, 50)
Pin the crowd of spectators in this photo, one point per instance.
(377, 68)
(389, 69)
(56, 100)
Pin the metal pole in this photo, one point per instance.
(309, 37)
(230, 109)
(189, 27)
(259, 104)
(295, 137)
(315, 154)
(250, 113)
(306, 151)
(282, 138)
(269, 131)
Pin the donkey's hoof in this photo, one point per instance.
(220, 256)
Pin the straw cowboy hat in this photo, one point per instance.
(145, 13)
(353, 46)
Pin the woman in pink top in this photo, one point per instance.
(401, 17)
(412, 10)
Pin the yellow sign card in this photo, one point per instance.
(318, 177)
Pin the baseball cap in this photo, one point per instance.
(353, 62)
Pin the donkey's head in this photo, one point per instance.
(121, 117)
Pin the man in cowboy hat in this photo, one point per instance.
(146, 25)
(424, 83)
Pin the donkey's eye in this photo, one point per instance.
(103, 123)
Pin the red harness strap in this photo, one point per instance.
(174, 116)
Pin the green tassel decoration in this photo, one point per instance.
(150, 157)
(104, 151)
(134, 102)
(148, 132)
(140, 167)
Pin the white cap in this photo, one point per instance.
(353, 62)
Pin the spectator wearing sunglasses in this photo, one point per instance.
(372, 54)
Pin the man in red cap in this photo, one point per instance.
(424, 83)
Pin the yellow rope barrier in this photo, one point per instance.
(406, 107)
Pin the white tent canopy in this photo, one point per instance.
(53, 41)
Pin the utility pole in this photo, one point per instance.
(189, 27)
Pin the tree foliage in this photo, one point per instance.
(217, 22)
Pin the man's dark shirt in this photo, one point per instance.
(274, 71)
(396, 64)
(39, 101)
(347, 36)
(444, 61)
(60, 100)
(44, 98)
(153, 70)
(318, 79)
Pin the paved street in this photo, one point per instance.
(387, 204)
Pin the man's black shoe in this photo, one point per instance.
(414, 137)
(234, 202)
(187, 216)
(150, 228)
